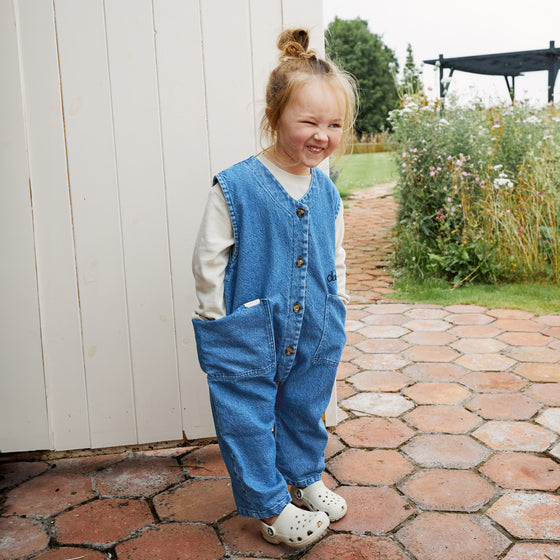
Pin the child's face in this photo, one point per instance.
(310, 128)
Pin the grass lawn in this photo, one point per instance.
(360, 171)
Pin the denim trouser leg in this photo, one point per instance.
(301, 436)
(243, 411)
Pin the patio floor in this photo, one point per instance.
(447, 447)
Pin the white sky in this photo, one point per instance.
(466, 28)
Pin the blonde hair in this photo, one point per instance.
(298, 65)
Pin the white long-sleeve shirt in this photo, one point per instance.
(215, 242)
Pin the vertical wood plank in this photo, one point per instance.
(130, 37)
(23, 414)
(228, 70)
(60, 319)
(97, 220)
(187, 178)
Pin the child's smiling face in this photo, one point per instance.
(310, 127)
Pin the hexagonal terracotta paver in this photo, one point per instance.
(12, 474)
(67, 552)
(387, 319)
(537, 354)
(48, 494)
(382, 345)
(433, 372)
(85, 465)
(550, 418)
(518, 325)
(475, 331)
(206, 461)
(523, 471)
(531, 551)
(469, 319)
(380, 404)
(426, 313)
(446, 536)
(547, 373)
(383, 308)
(447, 451)
(180, 542)
(514, 436)
(485, 362)
(387, 362)
(376, 510)
(427, 325)
(510, 313)
(389, 381)
(431, 354)
(448, 490)
(465, 308)
(20, 537)
(205, 501)
(338, 547)
(546, 393)
(528, 515)
(525, 339)
(478, 345)
(139, 476)
(442, 418)
(380, 466)
(501, 406)
(493, 381)
(383, 331)
(374, 432)
(429, 338)
(437, 393)
(102, 521)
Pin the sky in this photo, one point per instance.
(454, 29)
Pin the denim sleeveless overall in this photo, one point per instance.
(271, 361)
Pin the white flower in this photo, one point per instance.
(444, 121)
(533, 120)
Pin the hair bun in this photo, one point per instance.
(294, 43)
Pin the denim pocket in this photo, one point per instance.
(240, 344)
(333, 338)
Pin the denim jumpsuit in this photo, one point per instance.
(271, 361)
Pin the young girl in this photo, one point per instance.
(270, 281)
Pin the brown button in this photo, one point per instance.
(289, 351)
(300, 212)
(296, 307)
(300, 262)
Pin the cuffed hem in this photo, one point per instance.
(305, 482)
(268, 512)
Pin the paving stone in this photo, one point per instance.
(475, 331)
(550, 320)
(344, 390)
(382, 345)
(448, 490)
(385, 362)
(522, 471)
(70, 552)
(547, 373)
(379, 404)
(531, 551)
(555, 451)
(437, 393)
(525, 339)
(510, 313)
(139, 476)
(534, 354)
(383, 331)
(429, 372)
(242, 535)
(442, 418)
(528, 515)
(384, 381)
(550, 418)
(350, 353)
(518, 325)
(478, 345)
(446, 451)
(493, 381)
(86, 465)
(12, 474)
(485, 362)
(469, 319)
(352, 325)
(354, 338)
(430, 354)
(553, 332)
(103, 521)
(361, 467)
(346, 369)
(375, 510)
(546, 393)
(206, 461)
(462, 308)
(333, 447)
(20, 537)
(173, 541)
(384, 308)
(452, 536)
(427, 325)
(171, 452)
(205, 501)
(387, 319)
(344, 546)
(426, 313)
(500, 406)
(374, 432)
(48, 494)
(430, 338)
(514, 436)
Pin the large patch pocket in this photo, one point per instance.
(240, 344)
(333, 338)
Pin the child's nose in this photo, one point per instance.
(321, 135)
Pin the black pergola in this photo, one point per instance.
(509, 65)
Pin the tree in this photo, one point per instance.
(351, 45)
(412, 83)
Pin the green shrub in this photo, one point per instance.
(479, 191)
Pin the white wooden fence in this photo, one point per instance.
(114, 114)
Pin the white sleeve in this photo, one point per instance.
(212, 249)
(340, 257)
